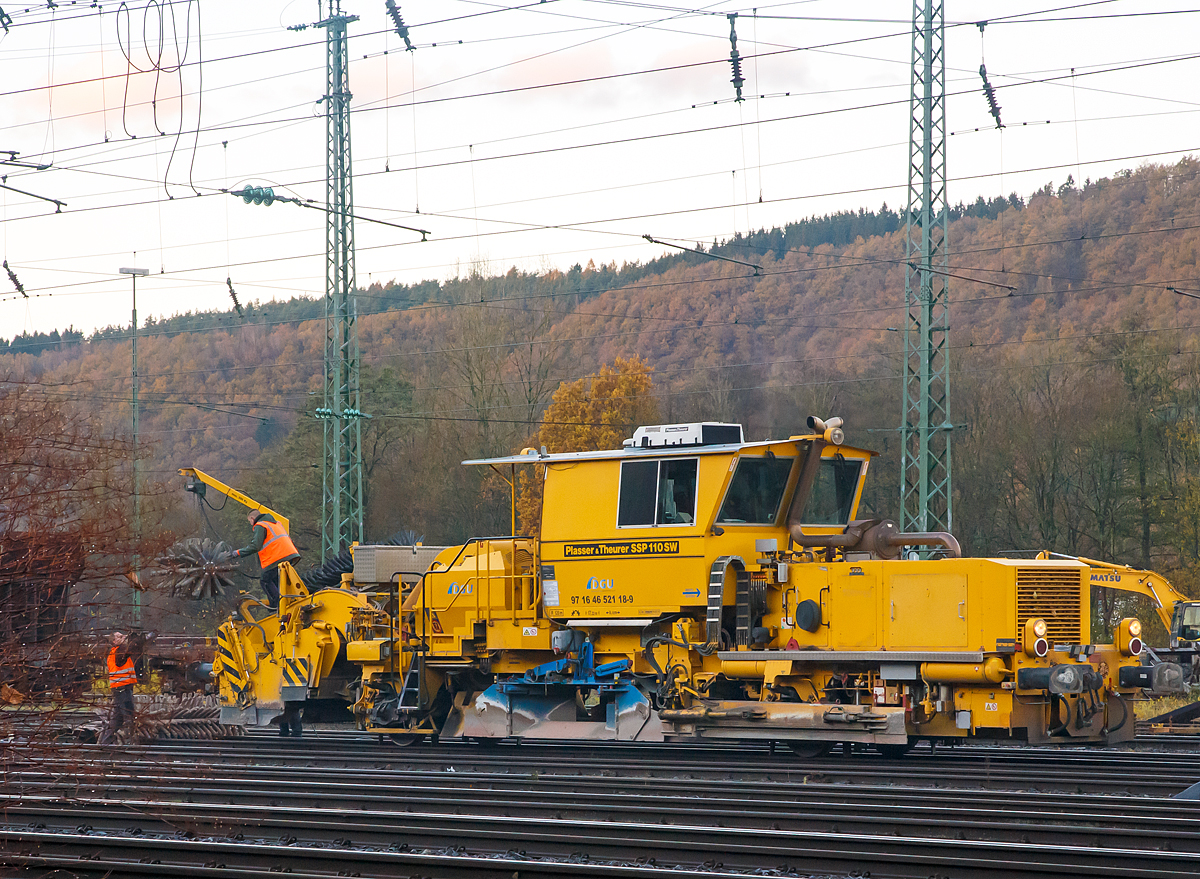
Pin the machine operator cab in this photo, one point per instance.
(1185, 623)
(631, 533)
(660, 481)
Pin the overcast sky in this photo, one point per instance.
(534, 135)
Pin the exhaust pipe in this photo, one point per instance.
(880, 537)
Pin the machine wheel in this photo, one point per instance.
(895, 752)
(404, 740)
(809, 750)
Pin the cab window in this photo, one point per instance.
(1190, 628)
(832, 492)
(655, 493)
(756, 491)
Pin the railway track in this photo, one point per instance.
(39, 723)
(341, 805)
(1072, 771)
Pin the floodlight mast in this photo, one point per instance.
(136, 604)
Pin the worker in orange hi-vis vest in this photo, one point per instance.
(123, 660)
(274, 547)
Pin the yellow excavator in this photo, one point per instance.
(273, 665)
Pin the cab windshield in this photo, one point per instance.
(1189, 630)
(833, 492)
(756, 490)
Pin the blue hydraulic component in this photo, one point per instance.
(540, 673)
(546, 699)
(612, 668)
(576, 669)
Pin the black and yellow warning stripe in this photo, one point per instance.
(231, 667)
(295, 672)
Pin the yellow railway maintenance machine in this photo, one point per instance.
(273, 663)
(693, 585)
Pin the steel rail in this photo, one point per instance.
(557, 793)
(353, 741)
(559, 811)
(384, 785)
(383, 822)
(1147, 777)
(338, 746)
(625, 843)
(1122, 784)
(345, 746)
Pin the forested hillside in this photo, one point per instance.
(1075, 375)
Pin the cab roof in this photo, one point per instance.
(532, 456)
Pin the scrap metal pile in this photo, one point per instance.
(192, 717)
(163, 717)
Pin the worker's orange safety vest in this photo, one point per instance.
(120, 675)
(277, 547)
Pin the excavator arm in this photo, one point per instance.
(199, 481)
(1129, 579)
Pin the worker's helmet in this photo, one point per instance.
(117, 638)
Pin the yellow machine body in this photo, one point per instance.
(727, 590)
(266, 659)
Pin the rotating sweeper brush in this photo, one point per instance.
(198, 568)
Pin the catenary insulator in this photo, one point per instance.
(734, 58)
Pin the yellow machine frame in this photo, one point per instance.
(692, 589)
(271, 661)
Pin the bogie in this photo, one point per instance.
(810, 749)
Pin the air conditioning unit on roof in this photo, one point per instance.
(700, 433)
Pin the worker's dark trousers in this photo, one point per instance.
(122, 712)
(270, 585)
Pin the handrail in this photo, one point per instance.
(480, 575)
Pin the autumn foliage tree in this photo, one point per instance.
(596, 412)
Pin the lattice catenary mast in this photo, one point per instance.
(342, 479)
(925, 425)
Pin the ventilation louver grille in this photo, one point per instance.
(1054, 595)
(523, 562)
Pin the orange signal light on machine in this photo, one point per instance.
(1129, 636)
(1033, 639)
